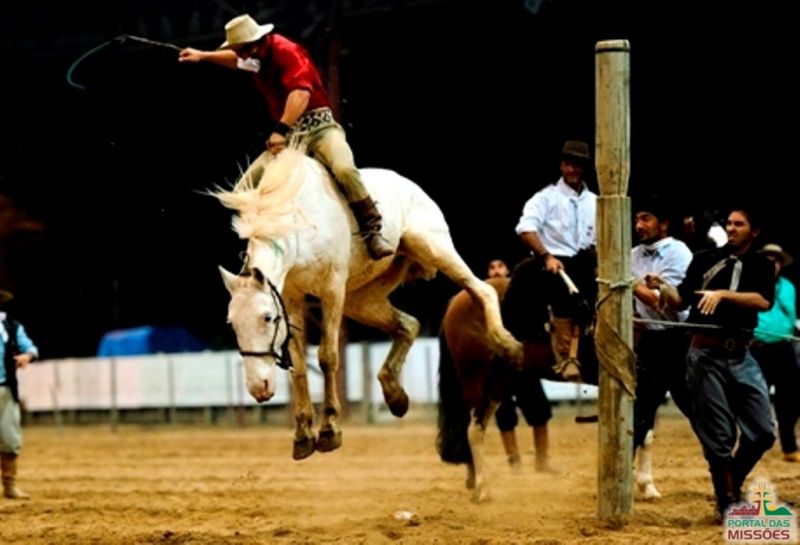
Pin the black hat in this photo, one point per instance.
(575, 149)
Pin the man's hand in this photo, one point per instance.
(653, 281)
(276, 143)
(23, 360)
(709, 300)
(190, 54)
(553, 264)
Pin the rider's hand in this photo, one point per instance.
(190, 54)
(276, 143)
(21, 360)
(553, 264)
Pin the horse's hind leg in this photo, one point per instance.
(476, 434)
(370, 306)
(437, 250)
(304, 440)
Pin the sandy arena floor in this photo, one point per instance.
(239, 485)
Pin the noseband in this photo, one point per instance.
(282, 356)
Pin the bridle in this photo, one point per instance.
(283, 358)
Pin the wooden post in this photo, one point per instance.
(615, 460)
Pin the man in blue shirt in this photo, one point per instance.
(774, 352)
(16, 351)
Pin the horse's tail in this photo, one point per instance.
(451, 441)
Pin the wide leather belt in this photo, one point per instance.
(313, 120)
(734, 346)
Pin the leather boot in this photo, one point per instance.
(369, 224)
(724, 488)
(541, 445)
(512, 451)
(564, 339)
(8, 466)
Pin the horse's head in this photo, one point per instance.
(259, 319)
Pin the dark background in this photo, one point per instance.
(472, 100)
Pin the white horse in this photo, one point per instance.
(301, 241)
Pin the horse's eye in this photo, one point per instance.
(268, 318)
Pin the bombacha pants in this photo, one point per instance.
(10, 423)
(728, 391)
(781, 368)
(329, 146)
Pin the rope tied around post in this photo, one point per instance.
(613, 353)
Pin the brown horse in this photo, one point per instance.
(473, 379)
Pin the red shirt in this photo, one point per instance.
(287, 66)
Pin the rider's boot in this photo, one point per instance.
(564, 338)
(369, 224)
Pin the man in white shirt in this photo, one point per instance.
(558, 225)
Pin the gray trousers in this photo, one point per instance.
(10, 423)
(726, 392)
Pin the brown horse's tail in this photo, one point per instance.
(451, 441)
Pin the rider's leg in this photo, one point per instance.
(330, 147)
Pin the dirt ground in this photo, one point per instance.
(203, 484)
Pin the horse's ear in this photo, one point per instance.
(229, 279)
(258, 275)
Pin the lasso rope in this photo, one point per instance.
(118, 40)
(687, 325)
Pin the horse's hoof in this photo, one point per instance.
(329, 440)
(648, 490)
(394, 395)
(479, 494)
(470, 482)
(398, 404)
(303, 448)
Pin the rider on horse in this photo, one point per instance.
(296, 98)
(558, 225)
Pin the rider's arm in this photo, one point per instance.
(296, 104)
(223, 57)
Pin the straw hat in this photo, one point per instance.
(5, 296)
(774, 249)
(243, 30)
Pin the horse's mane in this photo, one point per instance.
(263, 196)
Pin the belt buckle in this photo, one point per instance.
(729, 345)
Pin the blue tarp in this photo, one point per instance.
(148, 340)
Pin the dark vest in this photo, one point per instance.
(12, 349)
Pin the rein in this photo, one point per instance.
(282, 356)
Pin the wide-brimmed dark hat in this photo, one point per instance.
(575, 149)
(774, 249)
(5, 296)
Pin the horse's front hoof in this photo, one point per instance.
(329, 440)
(303, 448)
